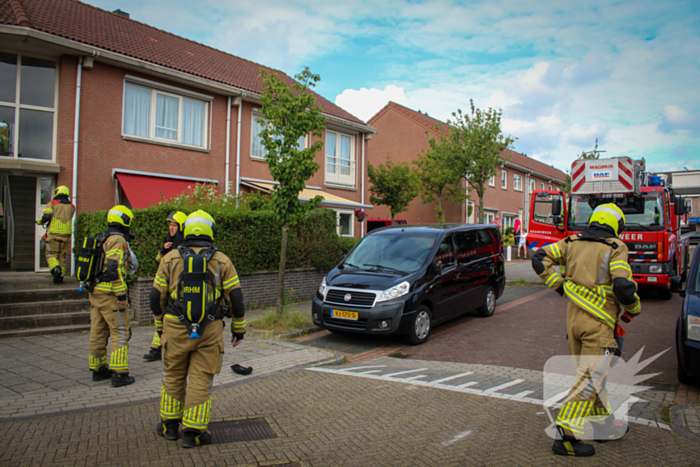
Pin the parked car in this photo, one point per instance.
(379, 223)
(688, 324)
(406, 279)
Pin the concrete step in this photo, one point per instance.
(42, 331)
(42, 295)
(44, 307)
(22, 265)
(44, 321)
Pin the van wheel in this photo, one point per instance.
(421, 326)
(489, 306)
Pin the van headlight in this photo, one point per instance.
(322, 288)
(656, 269)
(394, 292)
(694, 328)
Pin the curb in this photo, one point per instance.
(338, 359)
(678, 422)
(299, 333)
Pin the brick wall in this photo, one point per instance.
(259, 289)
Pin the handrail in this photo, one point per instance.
(8, 220)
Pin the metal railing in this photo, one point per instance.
(8, 219)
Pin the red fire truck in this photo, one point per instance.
(652, 212)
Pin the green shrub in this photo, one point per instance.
(250, 237)
(347, 244)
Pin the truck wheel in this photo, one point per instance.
(665, 294)
(421, 326)
(489, 306)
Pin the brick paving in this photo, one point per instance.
(326, 419)
(49, 374)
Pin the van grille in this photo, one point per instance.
(365, 299)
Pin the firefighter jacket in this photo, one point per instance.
(226, 281)
(112, 279)
(595, 274)
(59, 213)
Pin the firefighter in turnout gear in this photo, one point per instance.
(58, 214)
(598, 283)
(175, 237)
(192, 285)
(109, 312)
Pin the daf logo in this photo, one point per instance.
(347, 297)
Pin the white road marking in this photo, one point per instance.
(461, 435)
(520, 395)
(364, 367)
(557, 398)
(413, 378)
(450, 378)
(366, 372)
(504, 386)
(466, 385)
(391, 375)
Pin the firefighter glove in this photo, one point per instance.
(560, 289)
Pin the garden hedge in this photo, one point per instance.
(251, 239)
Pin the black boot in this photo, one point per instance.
(168, 429)
(57, 275)
(570, 446)
(122, 379)
(610, 430)
(101, 374)
(153, 355)
(192, 438)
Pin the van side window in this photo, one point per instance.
(467, 244)
(485, 238)
(446, 253)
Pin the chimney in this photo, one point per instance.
(121, 13)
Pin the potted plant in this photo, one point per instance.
(360, 215)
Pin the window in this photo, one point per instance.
(340, 158)
(345, 223)
(518, 182)
(541, 185)
(689, 205)
(467, 244)
(164, 117)
(257, 150)
(489, 217)
(504, 179)
(532, 186)
(492, 180)
(543, 208)
(27, 106)
(550, 187)
(446, 253)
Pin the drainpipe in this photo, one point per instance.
(239, 102)
(75, 155)
(228, 142)
(362, 183)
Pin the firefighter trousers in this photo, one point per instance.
(57, 247)
(109, 322)
(189, 367)
(591, 347)
(155, 342)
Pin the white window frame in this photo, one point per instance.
(504, 179)
(517, 182)
(18, 107)
(533, 185)
(336, 178)
(542, 186)
(689, 205)
(254, 137)
(550, 187)
(489, 216)
(338, 212)
(169, 91)
(492, 180)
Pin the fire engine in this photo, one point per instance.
(652, 213)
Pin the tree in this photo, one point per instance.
(437, 178)
(393, 185)
(591, 155)
(477, 144)
(289, 114)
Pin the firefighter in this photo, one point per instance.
(193, 344)
(109, 313)
(598, 282)
(171, 241)
(58, 213)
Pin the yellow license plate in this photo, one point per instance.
(344, 314)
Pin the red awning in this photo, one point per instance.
(143, 190)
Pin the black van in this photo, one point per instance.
(404, 279)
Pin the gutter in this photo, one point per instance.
(228, 141)
(74, 199)
(535, 172)
(238, 144)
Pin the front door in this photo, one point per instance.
(44, 194)
(447, 288)
(543, 227)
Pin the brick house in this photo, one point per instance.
(401, 135)
(121, 112)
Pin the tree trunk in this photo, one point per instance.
(481, 205)
(283, 264)
(392, 218)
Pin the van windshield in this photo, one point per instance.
(399, 253)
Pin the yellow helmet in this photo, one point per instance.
(120, 215)
(610, 215)
(200, 223)
(62, 190)
(178, 217)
